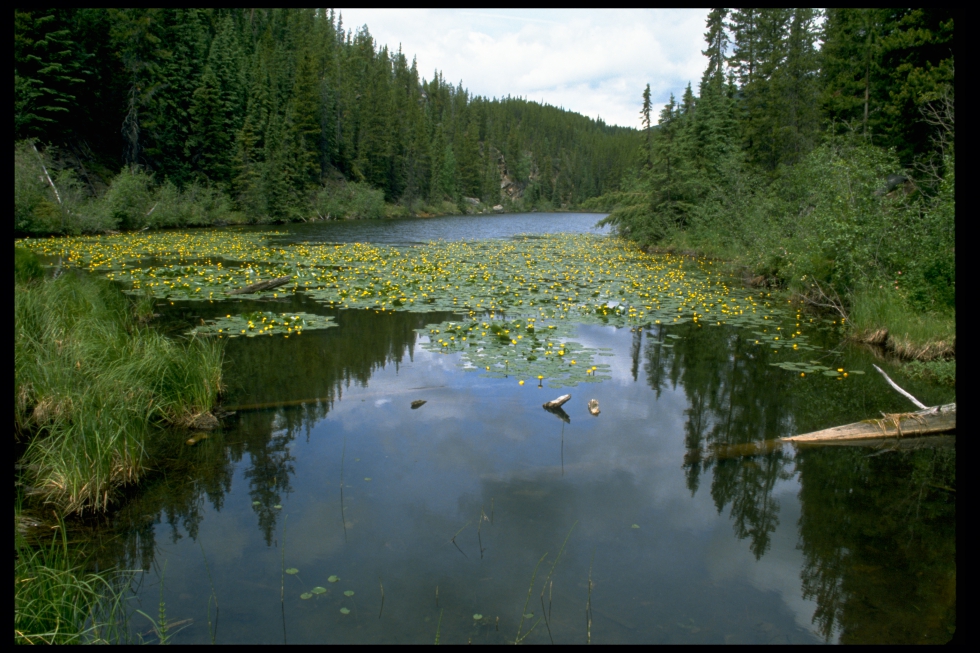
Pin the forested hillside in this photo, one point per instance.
(266, 115)
(820, 153)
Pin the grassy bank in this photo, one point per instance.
(92, 384)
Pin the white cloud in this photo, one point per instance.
(594, 62)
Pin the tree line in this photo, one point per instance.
(279, 110)
(818, 150)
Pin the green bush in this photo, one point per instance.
(130, 199)
(353, 200)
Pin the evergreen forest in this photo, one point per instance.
(818, 151)
(182, 117)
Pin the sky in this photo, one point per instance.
(594, 62)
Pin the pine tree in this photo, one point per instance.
(647, 128)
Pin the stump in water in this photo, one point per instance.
(556, 403)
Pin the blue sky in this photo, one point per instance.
(595, 62)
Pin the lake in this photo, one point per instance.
(330, 508)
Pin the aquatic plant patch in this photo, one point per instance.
(524, 349)
(555, 280)
(263, 323)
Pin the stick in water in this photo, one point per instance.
(900, 390)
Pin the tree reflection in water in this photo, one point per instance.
(877, 528)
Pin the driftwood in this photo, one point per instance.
(418, 403)
(938, 419)
(593, 406)
(268, 284)
(557, 403)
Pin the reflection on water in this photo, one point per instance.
(841, 544)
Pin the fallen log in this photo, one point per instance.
(938, 419)
(268, 284)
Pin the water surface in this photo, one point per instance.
(672, 536)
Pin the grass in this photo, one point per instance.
(91, 386)
(881, 315)
(56, 602)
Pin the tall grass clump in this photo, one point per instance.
(57, 602)
(91, 385)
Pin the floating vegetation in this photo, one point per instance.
(292, 570)
(345, 611)
(520, 297)
(348, 593)
(259, 323)
(332, 579)
(588, 278)
(478, 617)
(306, 595)
(814, 367)
(319, 590)
(518, 348)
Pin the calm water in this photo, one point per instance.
(326, 468)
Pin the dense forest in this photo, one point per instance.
(818, 151)
(210, 116)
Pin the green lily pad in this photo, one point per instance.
(348, 592)
(477, 617)
(319, 590)
(332, 579)
(528, 615)
(256, 503)
(278, 506)
(305, 595)
(344, 611)
(635, 526)
(292, 570)
(367, 478)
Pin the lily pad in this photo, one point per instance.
(306, 595)
(292, 570)
(367, 478)
(344, 611)
(256, 503)
(477, 617)
(318, 590)
(348, 592)
(278, 506)
(528, 615)
(332, 579)
(635, 526)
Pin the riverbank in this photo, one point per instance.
(93, 384)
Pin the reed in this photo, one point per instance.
(91, 385)
(57, 602)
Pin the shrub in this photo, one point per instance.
(353, 200)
